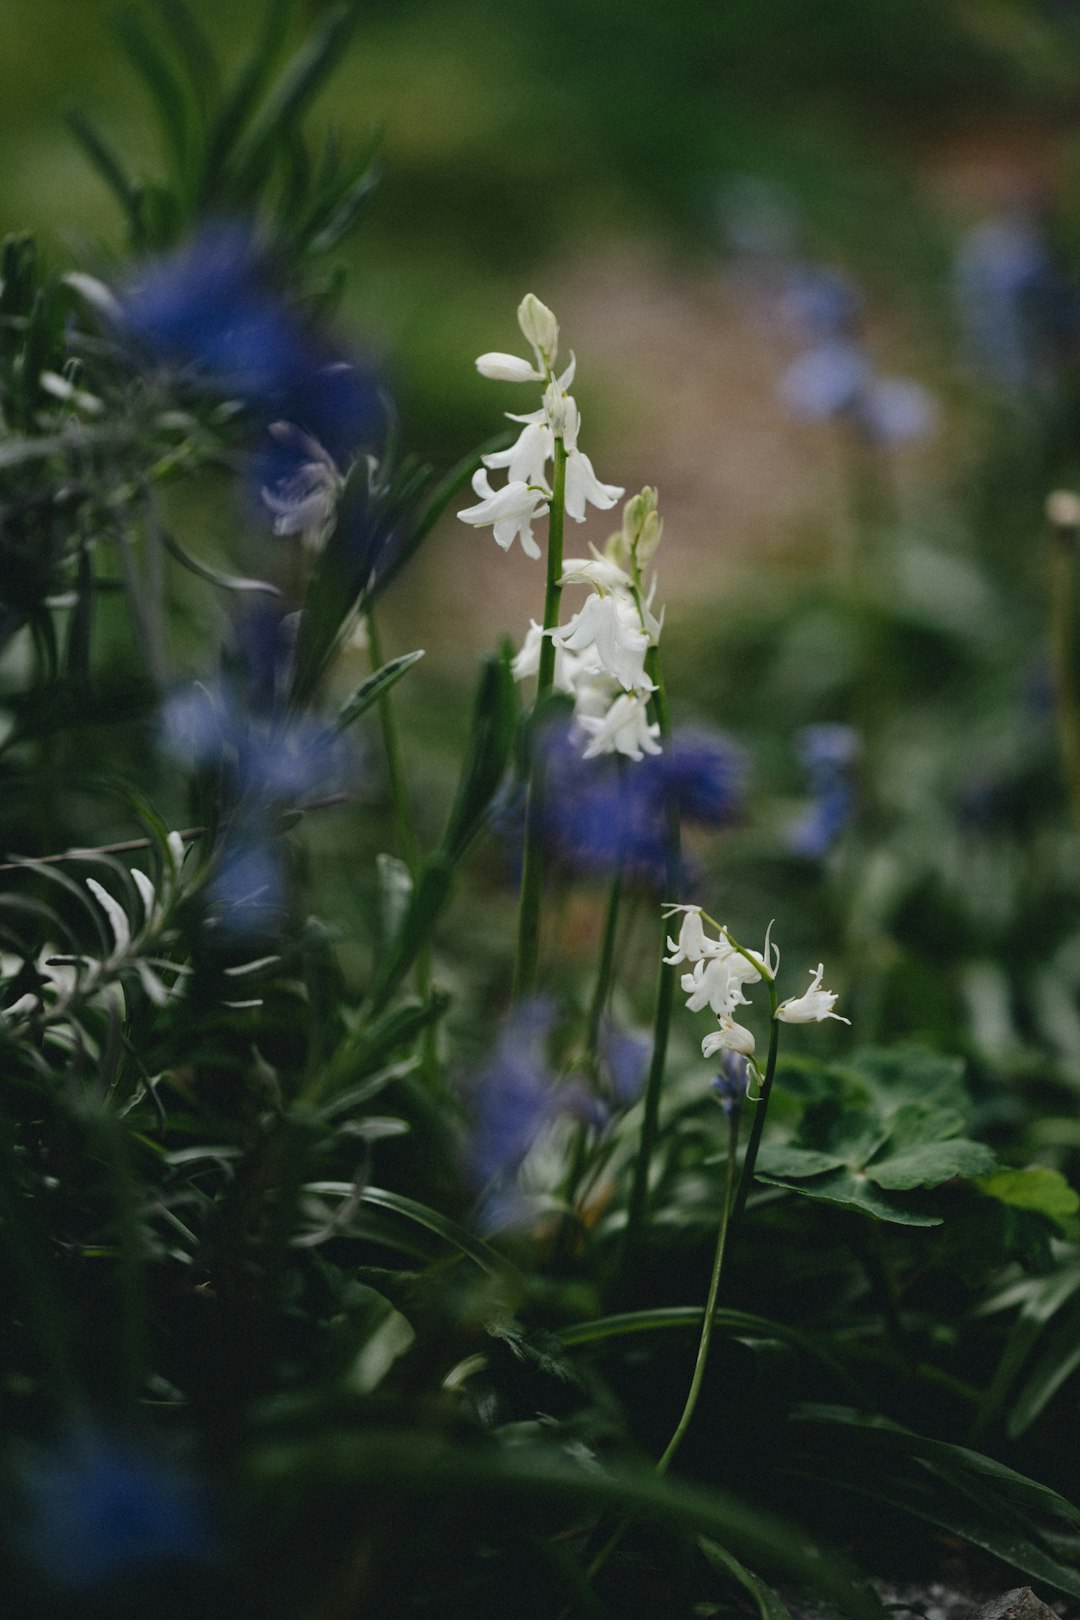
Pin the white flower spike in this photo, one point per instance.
(812, 1006)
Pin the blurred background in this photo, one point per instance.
(819, 267)
(662, 177)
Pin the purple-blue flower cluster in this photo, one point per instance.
(216, 313)
(263, 758)
(513, 1099)
(828, 753)
(97, 1507)
(1019, 311)
(606, 812)
(834, 377)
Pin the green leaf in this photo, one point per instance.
(488, 748)
(285, 105)
(239, 103)
(768, 1605)
(391, 1465)
(441, 1226)
(1057, 1363)
(963, 1491)
(687, 1318)
(902, 1074)
(374, 687)
(923, 1152)
(109, 167)
(213, 576)
(851, 1189)
(1034, 1187)
(166, 92)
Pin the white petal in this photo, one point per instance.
(507, 368)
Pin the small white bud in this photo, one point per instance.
(540, 328)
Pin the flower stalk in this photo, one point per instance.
(532, 869)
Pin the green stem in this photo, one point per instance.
(1062, 638)
(408, 844)
(665, 1000)
(395, 769)
(605, 972)
(710, 1304)
(532, 869)
(761, 1106)
(708, 1322)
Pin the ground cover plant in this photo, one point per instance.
(417, 1200)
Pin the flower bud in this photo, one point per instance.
(506, 368)
(556, 405)
(539, 327)
(642, 525)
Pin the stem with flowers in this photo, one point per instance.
(532, 870)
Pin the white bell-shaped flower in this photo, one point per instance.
(730, 1037)
(693, 944)
(613, 626)
(624, 729)
(812, 1006)
(511, 510)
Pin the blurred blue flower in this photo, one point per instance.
(97, 1507)
(1018, 311)
(247, 893)
(731, 1083)
(265, 759)
(828, 754)
(511, 1096)
(625, 1060)
(601, 812)
(821, 303)
(836, 379)
(214, 310)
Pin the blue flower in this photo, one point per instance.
(99, 1507)
(730, 1084)
(601, 812)
(822, 303)
(1020, 313)
(625, 1060)
(247, 892)
(215, 312)
(512, 1097)
(828, 753)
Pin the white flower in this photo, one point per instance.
(600, 571)
(594, 689)
(583, 485)
(730, 1037)
(527, 458)
(507, 368)
(511, 510)
(812, 1006)
(625, 729)
(527, 661)
(717, 983)
(612, 625)
(693, 944)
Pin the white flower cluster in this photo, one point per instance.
(601, 652)
(526, 495)
(718, 971)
